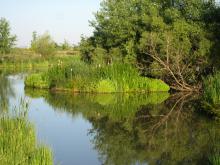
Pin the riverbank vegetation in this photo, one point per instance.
(211, 94)
(137, 46)
(176, 41)
(20, 58)
(18, 144)
(81, 77)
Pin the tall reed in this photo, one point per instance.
(211, 86)
(82, 77)
(18, 143)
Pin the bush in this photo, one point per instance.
(43, 45)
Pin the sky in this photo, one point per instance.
(63, 19)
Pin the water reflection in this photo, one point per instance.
(123, 128)
(141, 129)
(6, 90)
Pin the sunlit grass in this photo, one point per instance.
(82, 77)
(18, 143)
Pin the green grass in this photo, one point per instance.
(214, 160)
(18, 143)
(212, 89)
(211, 95)
(37, 80)
(26, 58)
(105, 86)
(82, 77)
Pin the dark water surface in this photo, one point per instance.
(89, 129)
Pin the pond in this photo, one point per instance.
(116, 129)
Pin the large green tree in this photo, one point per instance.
(168, 39)
(7, 40)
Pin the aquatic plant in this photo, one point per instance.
(82, 77)
(18, 143)
(37, 80)
(105, 86)
(211, 95)
(212, 88)
(214, 160)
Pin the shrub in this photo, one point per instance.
(43, 45)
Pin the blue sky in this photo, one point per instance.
(64, 19)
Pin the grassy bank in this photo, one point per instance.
(26, 58)
(81, 77)
(18, 143)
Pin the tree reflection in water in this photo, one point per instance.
(142, 129)
(6, 91)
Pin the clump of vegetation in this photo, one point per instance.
(82, 77)
(214, 159)
(43, 44)
(37, 80)
(7, 40)
(212, 88)
(106, 86)
(211, 95)
(18, 144)
(170, 40)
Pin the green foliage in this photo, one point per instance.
(212, 88)
(214, 160)
(25, 59)
(105, 86)
(174, 31)
(18, 142)
(37, 80)
(7, 41)
(82, 77)
(99, 57)
(86, 49)
(65, 45)
(43, 44)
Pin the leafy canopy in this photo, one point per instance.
(43, 44)
(7, 40)
(166, 35)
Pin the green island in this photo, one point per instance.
(140, 55)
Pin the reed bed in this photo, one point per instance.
(82, 77)
(18, 143)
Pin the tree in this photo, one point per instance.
(43, 44)
(66, 45)
(171, 35)
(7, 40)
(86, 48)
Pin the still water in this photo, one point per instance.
(135, 129)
